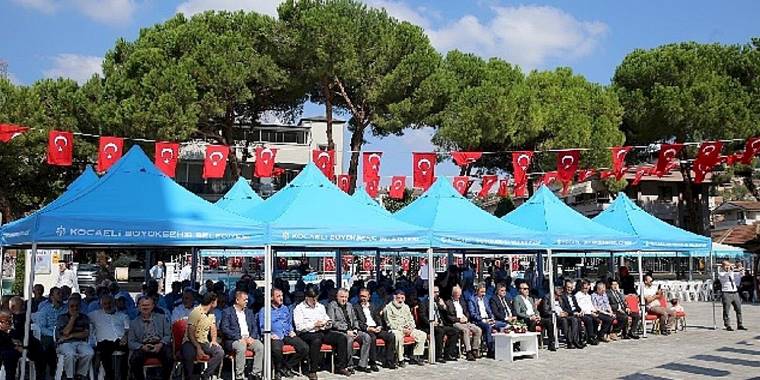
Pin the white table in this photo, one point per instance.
(504, 344)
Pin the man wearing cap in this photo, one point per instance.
(313, 327)
(399, 318)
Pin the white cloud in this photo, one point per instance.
(44, 6)
(13, 78)
(526, 35)
(107, 11)
(77, 67)
(267, 7)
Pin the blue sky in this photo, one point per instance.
(50, 38)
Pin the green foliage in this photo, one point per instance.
(735, 193)
(394, 205)
(505, 206)
(614, 186)
(18, 280)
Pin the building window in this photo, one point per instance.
(288, 137)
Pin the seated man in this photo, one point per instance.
(652, 297)
(283, 333)
(371, 322)
(110, 332)
(440, 328)
(73, 331)
(313, 327)
(567, 323)
(47, 318)
(200, 341)
(149, 336)
(501, 306)
(344, 321)
(240, 334)
(34, 348)
(525, 307)
(621, 310)
(589, 313)
(183, 310)
(604, 311)
(399, 319)
(10, 349)
(569, 305)
(458, 315)
(481, 315)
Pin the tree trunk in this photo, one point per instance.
(693, 207)
(357, 139)
(5, 208)
(229, 124)
(328, 94)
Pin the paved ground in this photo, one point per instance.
(696, 353)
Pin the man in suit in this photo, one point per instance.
(344, 321)
(569, 305)
(440, 328)
(149, 336)
(459, 316)
(525, 307)
(568, 323)
(501, 306)
(617, 302)
(371, 322)
(240, 333)
(481, 315)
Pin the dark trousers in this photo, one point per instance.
(570, 327)
(137, 360)
(49, 355)
(624, 326)
(452, 340)
(104, 350)
(390, 347)
(606, 322)
(315, 341)
(293, 361)
(9, 360)
(590, 325)
(189, 353)
(548, 326)
(729, 299)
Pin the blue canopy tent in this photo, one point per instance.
(240, 198)
(136, 205)
(311, 212)
(566, 229)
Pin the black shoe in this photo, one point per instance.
(253, 377)
(416, 360)
(665, 332)
(451, 358)
(729, 328)
(740, 327)
(344, 372)
(374, 368)
(634, 336)
(593, 342)
(440, 360)
(401, 364)
(470, 356)
(363, 369)
(391, 366)
(552, 348)
(277, 375)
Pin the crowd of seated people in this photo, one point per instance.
(368, 326)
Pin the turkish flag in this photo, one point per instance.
(503, 188)
(668, 154)
(347, 261)
(463, 159)
(328, 264)
(461, 183)
(405, 262)
(9, 131)
(344, 182)
(520, 166)
(567, 164)
(751, 149)
(60, 148)
(424, 169)
(325, 161)
(549, 177)
(487, 183)
(277, 171)
(585, 174)
(265, 157)
(605, 174)
(398, 185)
(372, 187)
(641, 171)
(370, 166)
(216, 161)
(109, 152)
(707, 157)
(367, 265)
(618, 160)
(167, 155)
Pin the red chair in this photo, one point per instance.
(248, 356)
(179, 329)
(328, 349)
(679, 315)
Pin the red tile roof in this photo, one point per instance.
(737, 235)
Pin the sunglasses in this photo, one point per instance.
(521, 288)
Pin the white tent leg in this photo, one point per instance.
(431, 305)
(30, 260)
(712, 275)
(267, 312)
(642, 306)
(550, 269)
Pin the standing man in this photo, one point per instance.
(282, 334)
(149, 336)
(200, 339)
(240, 334)
(66, 277)
(441, 330)
(370, 322)
(313, 326)
(399, 319)
(730, 277)
(459, 316)
(110, 332)
(345, 322)
(157, 273)
(73, 331)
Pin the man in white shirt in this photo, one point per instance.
(313, 327)
(66, 277)
(589, 311)
(238, 327)
(652, 297)
(730, 278)
(186, 272)
(183, 310)
(459, 317)
(110, 327)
